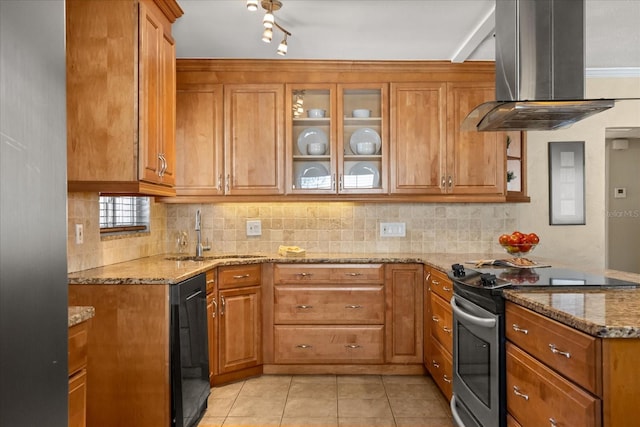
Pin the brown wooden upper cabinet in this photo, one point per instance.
(121, 96)
(338, 130)
(337, 138)
(199, 140)
(254, 139)
(429, 152)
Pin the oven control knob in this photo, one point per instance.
(488, 279)
(458, 270)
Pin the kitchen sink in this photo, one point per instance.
(211, 257)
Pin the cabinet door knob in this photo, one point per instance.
(450, 181)
(555, 350)
(435, 364)
(219, 186)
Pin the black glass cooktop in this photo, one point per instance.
(484, 285)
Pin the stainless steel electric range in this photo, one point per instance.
(479, 375)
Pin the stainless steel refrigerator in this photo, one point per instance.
(33, 225)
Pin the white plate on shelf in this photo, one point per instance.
(362, 175)
(310, 135)
(365, 135)
(313, 175)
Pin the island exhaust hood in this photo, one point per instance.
(539, 68)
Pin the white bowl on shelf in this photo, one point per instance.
(361, 113)
(316, 148)
(366, 147)
(316, 113)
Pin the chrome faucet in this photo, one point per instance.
(199, 246)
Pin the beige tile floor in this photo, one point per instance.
(328, 401)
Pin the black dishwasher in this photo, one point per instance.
(189, 351)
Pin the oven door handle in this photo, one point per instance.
(475, 320)
(454, 411)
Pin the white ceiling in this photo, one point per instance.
(387, 30)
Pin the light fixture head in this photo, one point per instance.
(282, 47)
(252, 5)
(268, 20)
(267, 35)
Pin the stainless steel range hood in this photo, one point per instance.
(539, 68)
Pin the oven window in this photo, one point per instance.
(474, 363)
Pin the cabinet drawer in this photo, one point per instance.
(441, 284)
(78, 399)
(328, 273)
(77, 350)
(536, 395)
(441, 322)
(575, 354)
(334, 344)
(239, 276)
(441, 368)
(320, 304)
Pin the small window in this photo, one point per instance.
(124, 214)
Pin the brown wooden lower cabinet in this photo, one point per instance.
(78, 335)
(236, 349)
(344, 318)
(557, 373)
(128, 354)
(438, 323)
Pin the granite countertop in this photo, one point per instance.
(169, 269)
(611, 313)
(606, 313)
(79, 314)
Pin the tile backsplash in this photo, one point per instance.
(317, 227)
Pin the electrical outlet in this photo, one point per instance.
(254, 228)
(79, 234)
(393, 229)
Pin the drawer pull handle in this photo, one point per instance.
(352, 346)
(304, 307)
(446, 379)
(353, 306)
(435, 364)
(304, 346)
(305, 274)
(435, 319)
(553, 422)
(555, 350)
(353, 274)
(211, 281)
(435, 282)
(242, 276)
(447, 330)
(519, 329)
(517, 392)
(446, 288)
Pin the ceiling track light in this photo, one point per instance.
(269, 22)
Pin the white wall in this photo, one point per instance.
(584, 244)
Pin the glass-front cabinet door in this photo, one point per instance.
(311, 138)
(362, 138)
(337, 138)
